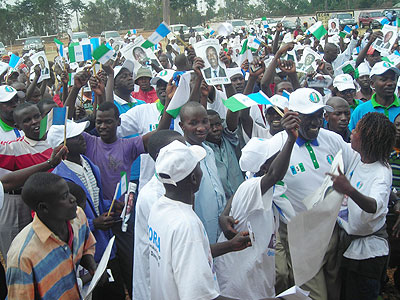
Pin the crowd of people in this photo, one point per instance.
(214, 188)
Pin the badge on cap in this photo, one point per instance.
(163, 73)
(386, 64)
(314, 97)
(9, 89)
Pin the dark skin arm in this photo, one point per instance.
(195, 93)
(239, 242)
(64, 80)
(16, 179)
(31, 87)
(363, 53)
(269, 74)
(110, 82)
(244, 115)
(279, 166)
(275, 44)
(343, 186)
(289, 68)
(227, 222)
(80, 80)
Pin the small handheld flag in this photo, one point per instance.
(318, 30)
(15, 61)
(60, 47)
(102, 54)
(57, 116)
(78, 53)
(156, 37)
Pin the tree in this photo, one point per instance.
(76, 6)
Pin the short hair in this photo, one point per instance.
(161, 139)
(211, 48)
(22, 106)
(189, 106)
(377, 135)
(212, 112)
(39, 188)
(78, 193)
(168, 47)
(108, 106)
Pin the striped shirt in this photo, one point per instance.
(42, 266)
(394, 161)
(23, 152)
(85, 174)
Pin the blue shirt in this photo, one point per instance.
(210, 199)
(372, 106)
(123, 107)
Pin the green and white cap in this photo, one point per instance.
(307, 101)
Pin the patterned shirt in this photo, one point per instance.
(394, 161)
(42, 266)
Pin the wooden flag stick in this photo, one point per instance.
(115, 196)
(65, 128)
(278, 111)
(179, 38)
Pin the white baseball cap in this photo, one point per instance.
(55, 136)
(382, 67)
(344, 82)
(164, 75)
(307, 101)
(363, 69)
(177, 161)
(279, 101)
(128, 64)
(230, 72)
(8, 92)
(256, 152)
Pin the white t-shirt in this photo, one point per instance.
(1, 195)
(181, 265)
(250, 273)
(257, 131)
(148, 195)
(373, 180)
(142, 119)
(304, 175)
(217, 105)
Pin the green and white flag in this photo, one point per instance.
(238, 102)
(348, 67)
(156, 37)
(181, 95)
(78, 52)
(103, 54)
(317, 30)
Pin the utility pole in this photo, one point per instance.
(166, 15)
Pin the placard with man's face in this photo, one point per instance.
(214, 71)
(308, 62)
(386, 43)
(40, 59)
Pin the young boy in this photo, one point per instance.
(181, 261)
(43, 257)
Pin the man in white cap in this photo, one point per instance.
(9, 99)
(311, 158)
(181, 259)
(362, 78)
(145, 118)
(383, 78)
(344, 88)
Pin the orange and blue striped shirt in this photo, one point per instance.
(42, 266)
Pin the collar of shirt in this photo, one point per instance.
(356, 103)
(376, 104)
(33, 143)
(300, 142)
(121, 101)
(160, 106)
(76, 168)
(42, 231)
(5, 127)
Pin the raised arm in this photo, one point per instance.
(279, 166)
(363, 53)
(80, 80)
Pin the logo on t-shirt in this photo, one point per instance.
(329, 158)
(297, 168)
(359, 185)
